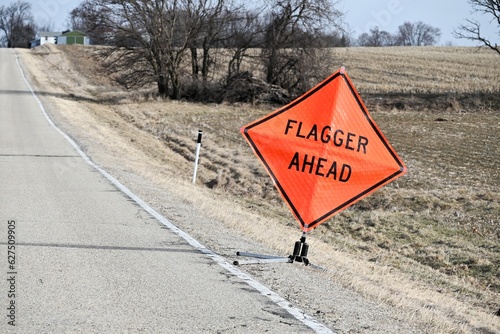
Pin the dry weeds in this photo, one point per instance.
(428, 244)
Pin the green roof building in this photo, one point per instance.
(73, 37)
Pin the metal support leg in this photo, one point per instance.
(300, 250)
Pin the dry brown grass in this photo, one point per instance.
(421, 70)
(428, 243)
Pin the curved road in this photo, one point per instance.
(79, 253)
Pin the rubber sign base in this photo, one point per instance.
(300, 250)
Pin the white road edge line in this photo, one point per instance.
(297, 313)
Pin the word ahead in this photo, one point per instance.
(323, 151)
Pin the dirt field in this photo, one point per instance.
(420, 255)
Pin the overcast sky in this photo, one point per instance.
(361, 15)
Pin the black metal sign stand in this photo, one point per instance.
(300, 250)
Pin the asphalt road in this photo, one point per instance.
(77, 254)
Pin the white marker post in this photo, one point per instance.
(198, 146)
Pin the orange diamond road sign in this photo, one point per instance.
(323, 151)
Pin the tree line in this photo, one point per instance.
(200, 49)
(181, 45)
(408, 34)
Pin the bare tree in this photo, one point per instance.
(17, 24)
(208, 34)
(154, 41)
(471, 30)
(79, 17)
(49, 26)
(292, 34)
(376, 38)
(90, 19)
(149, 39)
(417, 34)
(337, 38)
(242, 32)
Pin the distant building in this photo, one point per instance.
(45, 37)
(61, 38)
(73, 37)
